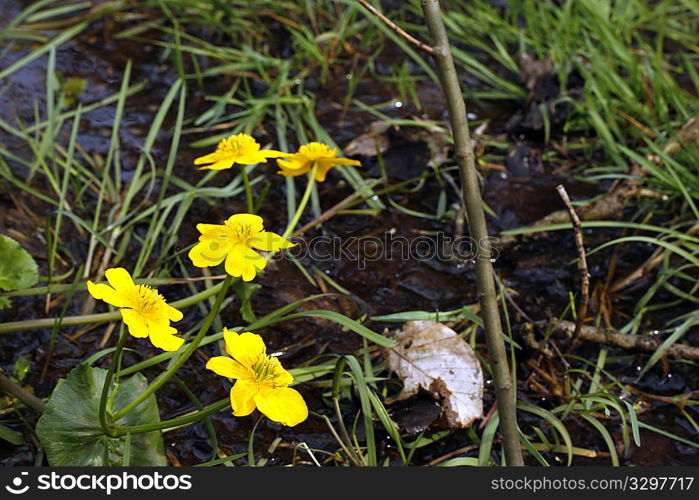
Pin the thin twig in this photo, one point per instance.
(584, 274)
(452, 454)
(645, 343)
(328, 214)
(395, 28)
(463, 148)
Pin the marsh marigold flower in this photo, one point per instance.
(143, 309)
(261, 382)
(240, 148)
(314, 152)
(236, 241)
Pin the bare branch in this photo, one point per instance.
(409, 38)
(584, 274)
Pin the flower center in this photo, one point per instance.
(237, 145)
(316, 150)
(239, 232)
(265, 369)
(147, 299)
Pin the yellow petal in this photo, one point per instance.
(280, 375)
(325, 165)
(251, 158)
(211, 231)
(293, 164)
(241, 262)
(119, 278)
(163, 336)
(273, 153)
(254, 258)
(136, 322)
(229, 339)
(207, 253)
(221, 164)
(227, 367)
(253, 222)
(342, 161)
(242, 398)
(106, 293)
(247, 348)
(283, 405)
(210, 158)
(322, 172)
(252, 261)
(234, 261)
(269, 242)
(248, 273)
(173, 314)
(293, 173)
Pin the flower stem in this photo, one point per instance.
(35, 324)
(175, 422)
(248, 190)
(107, 426)
(302, 204)
(192, 346)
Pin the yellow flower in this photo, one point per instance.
(302, 162)
(143, 309)
(261, 382)
(236, 241)
(241, 148)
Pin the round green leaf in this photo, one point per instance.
(17, 268)
(70, 431)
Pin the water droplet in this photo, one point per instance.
(398, 104)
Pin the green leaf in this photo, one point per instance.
(11, 436)
(70, 431)
(667, 343)
(454, 315)
(347, 323)
(19, 371)
(244, 291)
(554, 421)
(17, 268)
